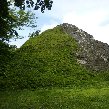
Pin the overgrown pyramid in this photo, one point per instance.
(58, 57)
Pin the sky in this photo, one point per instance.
(91, 16)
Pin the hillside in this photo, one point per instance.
(53, 58)
(46, 60)
(62, 68)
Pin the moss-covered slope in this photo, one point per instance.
(47, 60)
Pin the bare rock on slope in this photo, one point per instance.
(92, 53)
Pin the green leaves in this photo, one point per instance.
(46, 60)
(12, 19)
(38, 4)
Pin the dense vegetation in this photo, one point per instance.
(46, 70)
(13, 18)
(46, 60)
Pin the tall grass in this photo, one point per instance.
(56, 98)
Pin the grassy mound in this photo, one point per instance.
(48, 60)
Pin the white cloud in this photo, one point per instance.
(90, 23)
(89, 15)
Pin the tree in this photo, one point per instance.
(39, 4)
(9, 19)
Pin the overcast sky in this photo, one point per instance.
(90, 15)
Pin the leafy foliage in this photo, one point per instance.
(6, 53)
(18, 19)
(46, 60)
(38, 4)
(49, 60)
(11, 19)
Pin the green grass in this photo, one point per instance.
(56, 98)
